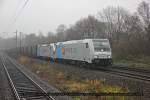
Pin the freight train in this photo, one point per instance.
(86, 51)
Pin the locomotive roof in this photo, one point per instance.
(44, 45)
(72, 41)
(80, 41)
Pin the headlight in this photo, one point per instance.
(109, 56)
(96, 56)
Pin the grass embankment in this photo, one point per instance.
(138, 62)
(71, 83)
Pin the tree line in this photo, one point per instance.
(129, 33)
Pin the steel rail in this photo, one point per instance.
(50, 97)
(11, 82)
(31, 80)
(126, 73)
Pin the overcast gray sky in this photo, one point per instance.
(46, 15)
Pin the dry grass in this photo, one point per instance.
(23, 60)
(71, 84)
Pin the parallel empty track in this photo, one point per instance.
(24, 88)
(138, 74)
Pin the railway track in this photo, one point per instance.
(124, 71)
(138, 74)
(24, 88)
(5, 89)
(139, 70)
(120, 71)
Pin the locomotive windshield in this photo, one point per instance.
(101, 45)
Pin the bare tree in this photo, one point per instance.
(88, 27)
(144, 12)
(31, 39)
(51, 37)
(61, 32)
(114, 19)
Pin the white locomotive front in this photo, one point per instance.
(101, 51)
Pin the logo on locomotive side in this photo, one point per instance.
(63, 51)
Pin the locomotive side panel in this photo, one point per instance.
(78, 51)
(43, 51)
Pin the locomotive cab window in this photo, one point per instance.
(101, 45)
(87, 45)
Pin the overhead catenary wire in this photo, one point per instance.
(16, 16)
(20, 11)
